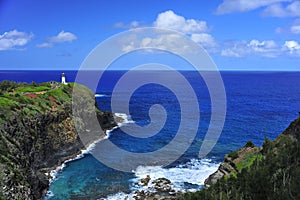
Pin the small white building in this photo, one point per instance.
(63, 79)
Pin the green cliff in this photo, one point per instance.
(37, 133)
(270, 172)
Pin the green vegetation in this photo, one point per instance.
(272, 173)
(32, 89)
(30, 99)
(248, 160)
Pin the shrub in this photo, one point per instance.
(233, 154)
(249, 144)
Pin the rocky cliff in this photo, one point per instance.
(234, 162)
(37, 133)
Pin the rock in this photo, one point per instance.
(141, 195)
(162, 185)
(145, 181)
(229, 165)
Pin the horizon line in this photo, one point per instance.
(221, 70)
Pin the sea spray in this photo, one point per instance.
(182, 177)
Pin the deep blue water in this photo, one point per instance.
(258, 104)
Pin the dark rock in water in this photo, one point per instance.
(140, 195)
(162, 185)
(162, 190)
(145, 181)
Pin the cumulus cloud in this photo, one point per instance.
(197, 30)
(232, 6)
(292, 47)
(170, 20)
(279, 10)
(59, 38)
(14, 39)
(206, 40)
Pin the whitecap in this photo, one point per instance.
(126, 119)
(118, 196)
(101, 95)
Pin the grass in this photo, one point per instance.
(32, 89)
(248, 160)
(17, 103)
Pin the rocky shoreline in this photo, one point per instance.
(51, 172)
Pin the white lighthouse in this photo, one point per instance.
(63, 79)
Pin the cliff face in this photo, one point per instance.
(234, 162)
(270, 172)
(37, 132)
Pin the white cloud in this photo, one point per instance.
(295, 29)
(59, 38)
(195, 29)
(230, 53)
(170, 20)
(133, 24)
(45, 45)
(267, 48)
(205, 40)
(279, 10)
(292, 47)
(163, 41)
(192, 28)
(13, 39)
(63, 37)
(231, 6)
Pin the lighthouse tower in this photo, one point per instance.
(63, 79)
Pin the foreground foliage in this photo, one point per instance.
(274, 175)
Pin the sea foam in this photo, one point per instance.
(54, 173)
(193, 172)
(101, 95)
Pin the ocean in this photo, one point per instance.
(259, 105)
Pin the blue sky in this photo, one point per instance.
(238, 34)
